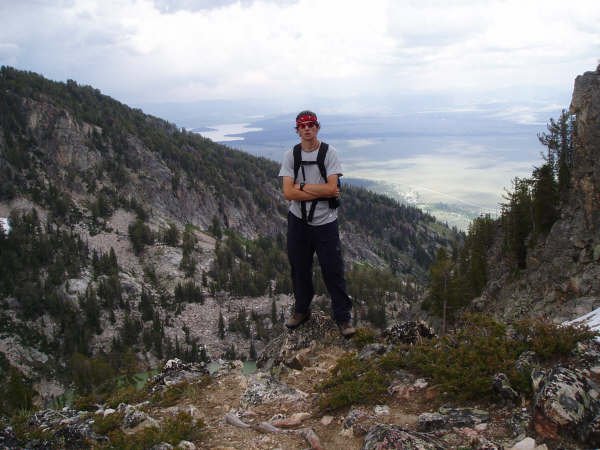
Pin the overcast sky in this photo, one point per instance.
(350, 55)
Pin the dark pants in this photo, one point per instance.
(303, 241)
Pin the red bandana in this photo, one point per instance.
(306, 118)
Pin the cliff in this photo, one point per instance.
(562, 275)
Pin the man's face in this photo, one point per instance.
(307, 130)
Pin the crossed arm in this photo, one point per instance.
(292, 191)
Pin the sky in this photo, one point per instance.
(345, 56)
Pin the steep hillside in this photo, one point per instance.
(132, 241)
(542, 256)
(560, 274)
(71, 140)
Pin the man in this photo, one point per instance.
(312, 222)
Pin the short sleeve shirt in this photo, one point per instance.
(323, 214)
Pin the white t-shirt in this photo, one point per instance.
(323, 213)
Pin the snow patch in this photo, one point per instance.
(4, 224)
(591, 319)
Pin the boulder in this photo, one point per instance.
(175, 371)
(286, 347)
(562, 404)
(407, 332)
(371, 350)
(263, 388)
(393, 437)
(503, 389)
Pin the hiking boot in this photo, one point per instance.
(346, 329)
(297, 319)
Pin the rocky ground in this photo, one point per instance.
(277, 407)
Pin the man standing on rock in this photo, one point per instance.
(310, 173)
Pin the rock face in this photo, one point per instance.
(562, 277)
(586, 174)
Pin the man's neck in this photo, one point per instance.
(311, 145)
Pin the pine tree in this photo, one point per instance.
(221, 326)
(545, 199)
(273, 312)
(560, 141)
(252, 352)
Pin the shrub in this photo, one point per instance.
(363, 337)
(173, 430)
(353, 381)
(463, 362)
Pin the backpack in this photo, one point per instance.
(320, 162)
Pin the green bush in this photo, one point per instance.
(363, 337)
(463, 363)
(172, 430)
(353, 381)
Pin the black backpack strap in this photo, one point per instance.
(321, 159)
(297, 164)
(297, 160)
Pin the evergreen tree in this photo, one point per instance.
(252, 356)
(17, 394)
(221, 326)
(146, 305)
(545, 199)
(560, 141)
(518, 220)
(441, 301)
(273, 312)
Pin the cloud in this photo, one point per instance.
(300, 51)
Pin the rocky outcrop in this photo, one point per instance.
(566, 404)
(562, 277)
(586, 170)
(409, 332)
(290, 348)
(389, 437)
(447, 418)
(175, 371)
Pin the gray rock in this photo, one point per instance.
(320, 328)
(264, 388)
(408, 332)
(392, 437)
(8, 439)
(503, 389)
(519, 423)
(162, 446)
(431, 422)
(464, 417)
(526, 361)
(372, 350)
(133, 417)
(175, 371)
(358, 421)
(563, 406)
(66, 425)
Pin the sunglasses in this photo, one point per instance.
(302, 126)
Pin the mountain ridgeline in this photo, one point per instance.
(69, 142)
(131, 240)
